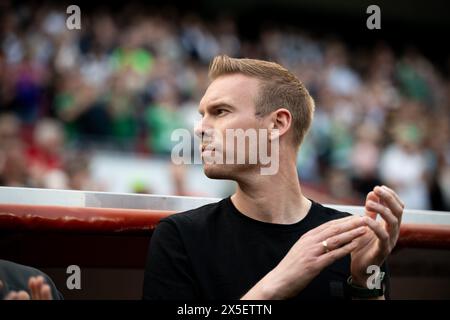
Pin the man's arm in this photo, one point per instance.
(375, 246)
(314, 251)
(305, 260)
(168, 272)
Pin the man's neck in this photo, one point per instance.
(275, 199)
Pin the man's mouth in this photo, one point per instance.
(204, 148)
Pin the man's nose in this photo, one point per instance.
(202, 128)
(198, 130)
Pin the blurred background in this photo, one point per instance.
(94, 109)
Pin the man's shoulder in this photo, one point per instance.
(206, 215)
(15, 269)
(325, 213)
(195, 217)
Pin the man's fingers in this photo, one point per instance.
(328, 258)
(39, 285)
(23, 295)
(14, 295)
(380, 232)
(46, 293)
(341, 227)
(11, 295)
(342, 239)
(390, 199)
(35, 285)
(385, 212)
(371, 196)
(395, 195)
(32, 285)
(328, 224)
(38, 288)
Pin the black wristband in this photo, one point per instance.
(365, 293)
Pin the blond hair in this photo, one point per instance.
(279, 89)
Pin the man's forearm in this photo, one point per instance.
(268, 288)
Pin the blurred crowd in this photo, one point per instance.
(127, 79)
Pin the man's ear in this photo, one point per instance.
(280, 122)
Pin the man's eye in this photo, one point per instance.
(220, 112)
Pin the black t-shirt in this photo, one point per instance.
(216, 252)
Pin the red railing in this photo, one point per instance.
(135, 222)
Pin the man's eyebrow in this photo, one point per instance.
(217, 105)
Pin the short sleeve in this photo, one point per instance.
(168, 273)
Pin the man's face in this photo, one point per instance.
(228, 103)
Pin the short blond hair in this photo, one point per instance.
(279, 89)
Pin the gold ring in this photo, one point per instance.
(325, 245)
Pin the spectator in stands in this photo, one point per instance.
(120, 83)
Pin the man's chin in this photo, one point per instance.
(214, 171)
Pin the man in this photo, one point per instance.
(267, 241)
(19, 282)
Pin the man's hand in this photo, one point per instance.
(374, 247)
(38, 288)
(314, 251)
